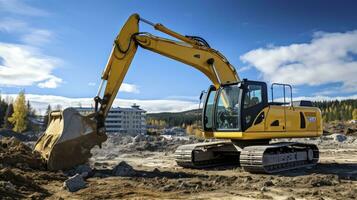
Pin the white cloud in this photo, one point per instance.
(19, 7)
(189, 98)
(130, 88)
(125, 87)
(52, 82)
(12, 25)
(23, 65)
(27, 34)
(37, 37)
(328, 58)
(245, 68)
(40, 103)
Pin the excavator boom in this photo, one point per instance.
(70, 136)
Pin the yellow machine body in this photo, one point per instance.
(289, 125)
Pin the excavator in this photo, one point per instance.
(235, 112)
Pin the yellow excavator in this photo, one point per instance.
(233, 109)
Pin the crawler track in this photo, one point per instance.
(206, 154)
(270, 158)
(278, 157)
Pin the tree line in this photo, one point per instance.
(338, 110)
(18, 115)
(168, 119)
(331, 111)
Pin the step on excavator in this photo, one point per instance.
(234, 110)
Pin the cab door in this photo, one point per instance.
(254, 101)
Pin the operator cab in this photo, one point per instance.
(234, 107)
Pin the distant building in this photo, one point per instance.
(122, 120)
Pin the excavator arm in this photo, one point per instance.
(69, 137)
(192, 51)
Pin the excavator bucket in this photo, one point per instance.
(68, 139)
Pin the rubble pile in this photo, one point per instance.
(149, 143)
(345, 128)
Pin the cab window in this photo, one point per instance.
(208, 114)
(253, 96)
(228, 108)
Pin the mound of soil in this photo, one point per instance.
(22, 172)
(14, 153)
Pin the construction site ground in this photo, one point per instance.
(151, 173)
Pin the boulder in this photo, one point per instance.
(338, 137)
(74, 183)
(123, 169)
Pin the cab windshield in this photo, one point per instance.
(228, 108)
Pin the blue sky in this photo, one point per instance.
(56, 50)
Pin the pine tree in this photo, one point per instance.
(18, 118)
(48, 111)
(9, 112)
(3, 108)
(354, 114)
(31, 114)
(189, 130)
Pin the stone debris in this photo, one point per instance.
(121, 144)
(7, 185)
(74, 183)
(123, 169)
(337, 137)
(84, 170)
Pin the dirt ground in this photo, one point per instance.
(156, 176)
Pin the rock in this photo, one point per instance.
(167, 188)
(338, 137)
(350, 131)
(290, 198)
(84, 170)
(74, 183)
(111, 156)
(123, 169)
(7, 185)
(156, 171)
(268, 183)
(139, 138)
(263, 189)
(330, 180)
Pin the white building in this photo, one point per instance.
(122, 120)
